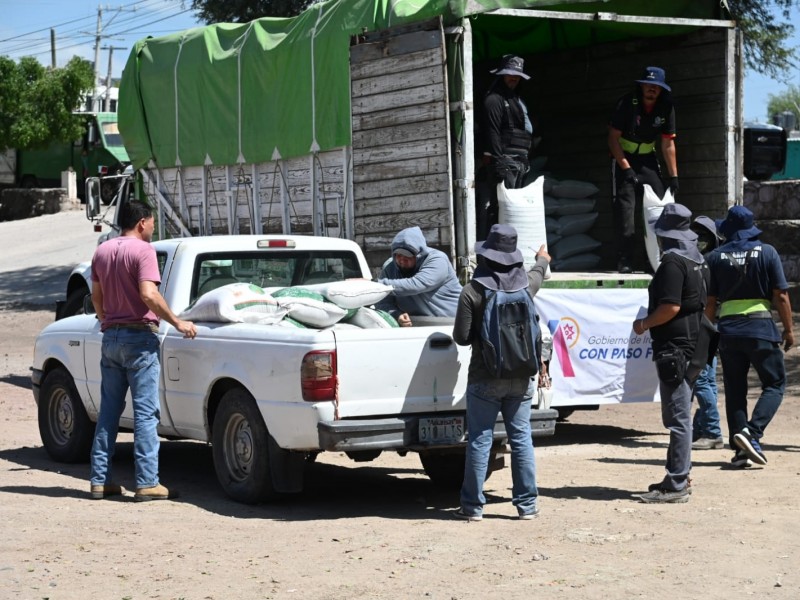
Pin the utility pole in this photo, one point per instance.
(107, 98)
(98, 35)
(53, 48)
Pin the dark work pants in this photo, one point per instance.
(676, 415)
(737, 355)
(509, 169)
(627, 198)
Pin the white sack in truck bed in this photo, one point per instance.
(235, 303)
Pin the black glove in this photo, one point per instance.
(673, 185)
(629, 176)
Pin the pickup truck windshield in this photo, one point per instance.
(111, 134)
(276, 269)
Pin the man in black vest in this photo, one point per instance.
(639, 118)
(507, 133)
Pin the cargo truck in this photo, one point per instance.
(98, 152)
(357, 119)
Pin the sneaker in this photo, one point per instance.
(745, 441)
(707, 443)
(657, 486)
(98, 492)
(740, 460)
(157, 492)
(529, 516)
(460, 514)
(659, 496)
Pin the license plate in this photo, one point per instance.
(441, 430)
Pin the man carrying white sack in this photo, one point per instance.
(424, 281)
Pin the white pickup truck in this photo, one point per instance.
(269, 397)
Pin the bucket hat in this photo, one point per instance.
(655, 76)
(738, 224)
(500, 245)
(675, 223)
(511, 64)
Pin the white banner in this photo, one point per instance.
(597, 357)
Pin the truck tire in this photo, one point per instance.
(74, 304)
(64, 426)
(240, 445)
(444, 468)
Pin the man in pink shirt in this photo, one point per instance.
(125, 295)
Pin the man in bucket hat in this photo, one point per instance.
(640, 117)
(500, 267)
(748, 282)
(508, 134)
(676, 298)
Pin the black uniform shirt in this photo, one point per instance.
(639, 126)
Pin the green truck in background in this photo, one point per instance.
(98, 152)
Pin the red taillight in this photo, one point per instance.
(275, 244)
(318, 376)
(102, 169)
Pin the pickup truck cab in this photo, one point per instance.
(268, 397)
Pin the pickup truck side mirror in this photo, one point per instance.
(92, 197)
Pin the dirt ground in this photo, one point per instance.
(380, 530)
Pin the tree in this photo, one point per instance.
(765, 35)
(241, 11)
(786, 101)
(36, 103)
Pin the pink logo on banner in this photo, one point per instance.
(565, 335)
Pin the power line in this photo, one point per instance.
(38, 49)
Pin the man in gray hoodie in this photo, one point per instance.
(424, 281)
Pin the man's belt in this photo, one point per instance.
(637, 147)
(756, 308)
(151, 327)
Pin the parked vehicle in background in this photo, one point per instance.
(98, 152)
(765, 149)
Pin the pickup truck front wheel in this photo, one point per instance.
(240, 445)
(64, 426)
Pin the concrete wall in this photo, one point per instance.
(24, 203)
(776, 207)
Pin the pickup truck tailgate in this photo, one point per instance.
(400, 371)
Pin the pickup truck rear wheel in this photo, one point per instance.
(445, 469)
(64, 426)
(240, 445)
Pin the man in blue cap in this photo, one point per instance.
(748, 282)
(640, 117)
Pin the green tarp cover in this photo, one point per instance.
(227, 94)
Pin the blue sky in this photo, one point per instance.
(25, 30)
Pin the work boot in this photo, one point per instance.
(157, 492)
(99, 492)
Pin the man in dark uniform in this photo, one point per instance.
(747, 280)
(676, 295)
(639, 118)
(508, 134)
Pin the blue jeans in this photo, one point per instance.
(706, 418)
(129, 360)
(485, 399)
(676, 415)
(737, 355)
